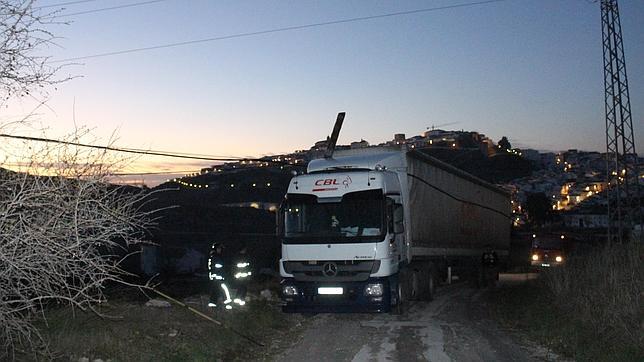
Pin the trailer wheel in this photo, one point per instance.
(431, 284)
(414, 285)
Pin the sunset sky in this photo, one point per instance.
(530, 70)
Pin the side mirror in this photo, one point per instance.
(390, 215)
(399, 224)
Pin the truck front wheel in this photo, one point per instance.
(401, 293)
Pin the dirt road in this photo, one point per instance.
(454, 327)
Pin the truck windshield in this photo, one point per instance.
(358, 216)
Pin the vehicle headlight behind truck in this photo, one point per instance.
(373, 290)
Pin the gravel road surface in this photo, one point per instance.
(454, 327)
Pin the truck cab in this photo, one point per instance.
(342, 227)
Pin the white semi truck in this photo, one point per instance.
(369, 229)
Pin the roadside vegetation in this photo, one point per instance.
(589, 309)
(133, 331)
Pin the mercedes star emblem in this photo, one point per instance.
(330, 269)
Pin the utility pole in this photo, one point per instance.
(331, 141)
(621, 157)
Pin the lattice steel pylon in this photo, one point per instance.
(622, 169)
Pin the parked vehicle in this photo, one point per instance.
(369, 229)
(547, 250)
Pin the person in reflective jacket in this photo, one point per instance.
(241, 274)
(218, 273)
(489, 265)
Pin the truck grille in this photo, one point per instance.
(332, 271)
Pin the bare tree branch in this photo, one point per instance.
(23, 35)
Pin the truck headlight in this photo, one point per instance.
(373, 290)
(289, 290)
(535, 257)
(559, 259)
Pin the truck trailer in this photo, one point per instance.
(369, 229)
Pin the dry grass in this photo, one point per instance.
(590, 309)
(166, 334)
(604, 289)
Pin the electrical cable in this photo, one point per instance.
(183, 153)
(205, 316)
(276, 30)
(63, 4)
(150, 152)
(125, 150)
(458, 199)
(153, 173)
(109, 8)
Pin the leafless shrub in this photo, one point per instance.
(64, 230)
(604, 290)
(63, 234)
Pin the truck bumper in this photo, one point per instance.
(308, 298)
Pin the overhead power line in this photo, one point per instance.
(277, 30)
(141, 3)
(127, 150)
(153, 173)
(64, 4)
(188, 156)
